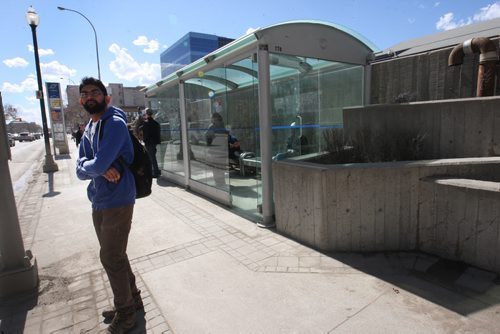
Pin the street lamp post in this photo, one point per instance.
(95, 35)
(33, 20)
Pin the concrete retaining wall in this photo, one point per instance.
(375, 207)
(424, 77)
(452, 128)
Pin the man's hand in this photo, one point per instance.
(112, 175)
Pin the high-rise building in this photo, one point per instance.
(188, 49)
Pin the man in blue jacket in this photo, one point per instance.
(112, 194)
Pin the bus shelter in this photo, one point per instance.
(274, 93)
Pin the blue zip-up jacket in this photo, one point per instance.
(96, 157)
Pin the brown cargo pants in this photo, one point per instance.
(112, 227)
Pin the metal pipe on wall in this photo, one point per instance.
(487, 62)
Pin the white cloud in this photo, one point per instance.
(151, 45)
(30, 111)
(54, 71)
(487, 13)
(125, 67)
(41, 52)
(251, 30)
(31, 114)
(437, 3)
(141, 40)
(28, 84)
(16, 62)
(448, 21)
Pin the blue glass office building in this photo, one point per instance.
(188, 49)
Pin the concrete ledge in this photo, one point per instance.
(387, 207)
(453, 128)
(463, 222)
(464, 183)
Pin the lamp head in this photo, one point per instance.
(32, 17)
(61, 8)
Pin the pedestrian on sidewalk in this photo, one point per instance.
(105, 151)
(79, 133)
(137, 123)
(151, 134)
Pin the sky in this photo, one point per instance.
(132, 34)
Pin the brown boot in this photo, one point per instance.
(122, 323)
(109, 314)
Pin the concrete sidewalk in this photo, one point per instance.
(203, 269)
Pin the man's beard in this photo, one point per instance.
(96, 108)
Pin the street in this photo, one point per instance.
(26, 157)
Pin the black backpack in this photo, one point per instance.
(140, 167)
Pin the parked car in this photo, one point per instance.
(37, 135)
(26, 136)
(12, 141)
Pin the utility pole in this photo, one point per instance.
(18, 268)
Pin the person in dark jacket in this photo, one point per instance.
(78, 134)
(151, 135)
(112, 194)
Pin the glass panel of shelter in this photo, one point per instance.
(167, 113)
(243, 124)
(198, 106)
(230, 92)
(307, 98)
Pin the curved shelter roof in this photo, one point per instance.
(314, 39)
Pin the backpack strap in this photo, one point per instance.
(101, 128)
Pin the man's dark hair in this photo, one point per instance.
(95, 82)
(217, 117)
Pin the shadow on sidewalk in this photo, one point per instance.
(452, 284)
(14, 311)
(165, 183)
(51, 192)
(62, 157)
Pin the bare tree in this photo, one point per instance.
(10, 111)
